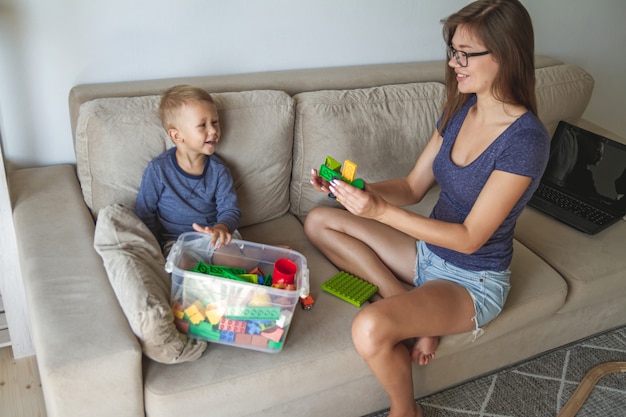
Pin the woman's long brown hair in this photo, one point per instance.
(505, 28)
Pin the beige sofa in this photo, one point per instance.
(276, 127)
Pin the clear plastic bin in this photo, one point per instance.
(223, 304)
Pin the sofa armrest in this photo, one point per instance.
(89, 360)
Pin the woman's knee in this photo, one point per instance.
(311, 221)
(316, 221)
(366, 332)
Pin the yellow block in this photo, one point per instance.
(349, 170)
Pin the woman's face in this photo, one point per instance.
(480, 72)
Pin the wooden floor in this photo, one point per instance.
(20, 386)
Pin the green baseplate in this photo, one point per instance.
(350, 288)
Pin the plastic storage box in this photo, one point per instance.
(215, 295)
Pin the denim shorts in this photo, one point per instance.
(488, 289)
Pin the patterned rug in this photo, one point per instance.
(540, 387)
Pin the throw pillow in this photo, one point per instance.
(135, 266)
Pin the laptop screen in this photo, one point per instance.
(588, 166)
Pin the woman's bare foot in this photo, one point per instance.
(424, 349)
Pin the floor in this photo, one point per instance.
(20, 386)
(540, 387)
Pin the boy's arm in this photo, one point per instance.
(147, 200)
(228, 212)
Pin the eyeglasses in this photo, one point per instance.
(462, 57)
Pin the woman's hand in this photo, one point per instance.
(358, 202)
(219, 234)
(319, 183)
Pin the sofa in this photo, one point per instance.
(276, 127)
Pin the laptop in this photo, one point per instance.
(585, 180)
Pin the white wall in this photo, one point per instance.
(47, 46)
(591, 34)
(50, 45)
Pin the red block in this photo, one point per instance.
(275, 333)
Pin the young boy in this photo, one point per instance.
(188, 187)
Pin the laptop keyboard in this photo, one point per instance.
(573, 205)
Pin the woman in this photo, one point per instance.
(487, 154)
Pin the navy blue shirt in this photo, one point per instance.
(170, 200)
(522, 149)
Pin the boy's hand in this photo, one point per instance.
(219, 234)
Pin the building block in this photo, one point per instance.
(252, 313)
(236, 326)
(260, 299)
(227, 336)
(253, 328)
(194, 313)
(285, 318)
(177, 310)
(220, 271)
(259, 341)
(350, 288)
(331, 169)
(275, 345)
(349, 170)
(182, 325)
(205, 331)
(214, 315)
(243, 339)
(275, 333)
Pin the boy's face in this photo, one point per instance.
(197, 128)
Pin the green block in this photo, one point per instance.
(220, 271)
(204, 330)
(329, 175)
(350, 288)
(252, 313)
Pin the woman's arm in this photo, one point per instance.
(399, 191)
(496, 200)
(410, 190)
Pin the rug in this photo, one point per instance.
(540, 387)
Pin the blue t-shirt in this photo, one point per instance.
(522, 149)
(170, 200)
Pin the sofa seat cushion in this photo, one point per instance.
(135, 266)
(381, 129)
(593, 266)
(537, 292)
(126, 133)
(318, 344)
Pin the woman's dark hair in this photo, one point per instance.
(506, 30)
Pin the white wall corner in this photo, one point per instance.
(11, 286)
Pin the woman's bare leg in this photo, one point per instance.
(435, 308)
(368, 249)
(335, 230)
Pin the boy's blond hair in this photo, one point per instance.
(176, 97)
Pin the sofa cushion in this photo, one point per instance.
(236, 381)
(117, 137)
(563, 92)
(537, 293)
(135, 267)
(381, 129)
(592, 266)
